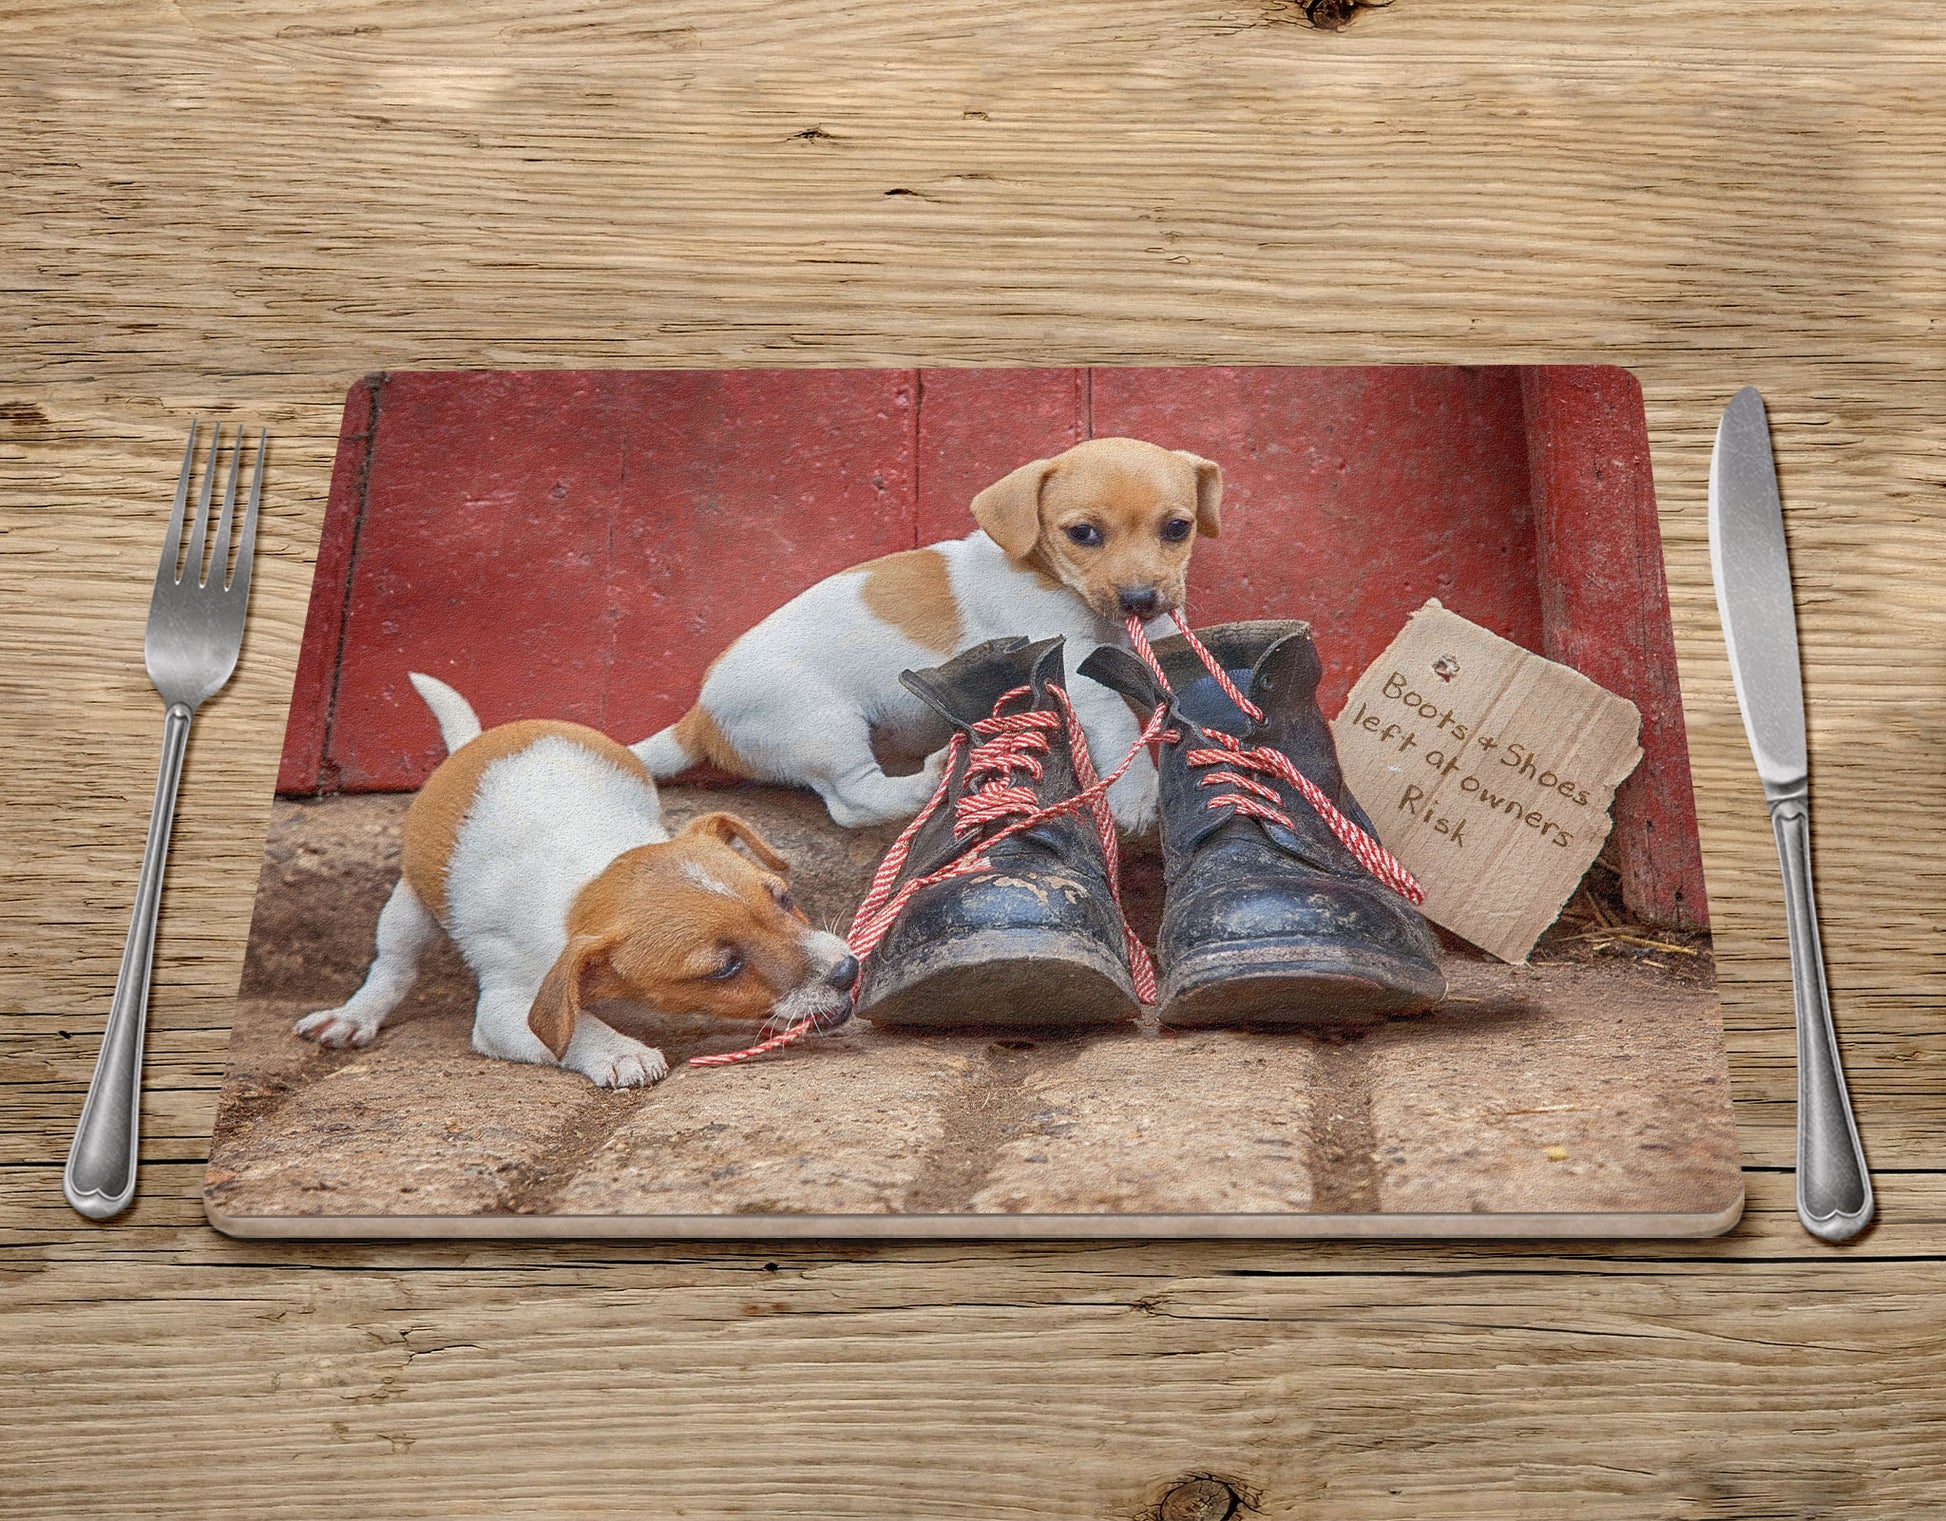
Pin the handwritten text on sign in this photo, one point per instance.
(1488, 771)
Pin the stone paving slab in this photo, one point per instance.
(848, 1127)
(1205, 1122)
(1552, 1088)
(416, 1123)
(1569, 1085)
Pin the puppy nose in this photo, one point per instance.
(844, 974)
(1140, 601)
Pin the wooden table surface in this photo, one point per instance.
(227, 207)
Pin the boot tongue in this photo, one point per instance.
(1287, 673)
(1207, 705)
(1284, 683)
(1273, 663)
(1046, 671)
(1122, 671)
(964, 690)
(1277, 667)
(1280, 677)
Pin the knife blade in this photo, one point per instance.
(1751, 567)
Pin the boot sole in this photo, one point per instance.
(1006, 980)
(1266, 983)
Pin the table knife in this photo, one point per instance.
(1753, 593)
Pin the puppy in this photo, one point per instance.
(539, 847)
(1071, 546)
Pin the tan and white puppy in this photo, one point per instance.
(1067, 546)
(539, 847)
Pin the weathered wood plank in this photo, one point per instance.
(858, 1382)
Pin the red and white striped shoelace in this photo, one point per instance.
(1009, 744)
(777, 1042)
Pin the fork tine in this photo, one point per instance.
(219, 555)
(172, 545)
(247, 544)
(192, 568)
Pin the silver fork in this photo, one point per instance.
(195, 630)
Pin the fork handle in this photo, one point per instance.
(100, 1176)
(1834, 1189)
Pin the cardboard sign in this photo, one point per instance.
(1488, 771)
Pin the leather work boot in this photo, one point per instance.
(974, 919)
(1268, 916)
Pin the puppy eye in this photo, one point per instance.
(1176, 530)
(1084, 534)
(732, 964)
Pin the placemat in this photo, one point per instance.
(586, 546)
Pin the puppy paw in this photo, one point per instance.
(1135, 807)
(635, 1071)
(612, 1060)
(337, 1029)
(630, 1069)
(871, 798)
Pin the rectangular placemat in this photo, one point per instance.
(585, 546)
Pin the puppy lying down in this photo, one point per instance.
(539, 847)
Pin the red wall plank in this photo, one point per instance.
(977, 425)
(745, 487)
(1350, 496)
(1605, 611)
(581, 545)
(301, 768)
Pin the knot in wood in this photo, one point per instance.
(1199, 1500)
(1332, 15)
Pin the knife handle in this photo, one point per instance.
(1834, 1191)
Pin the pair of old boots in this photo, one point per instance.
(999, 906)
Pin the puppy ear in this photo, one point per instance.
(557, 1005)
(1010, 509)
(728, 827)
(1209, 493)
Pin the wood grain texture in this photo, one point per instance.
(236, 207)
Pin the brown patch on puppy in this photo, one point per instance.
(432, 822)
(693, 926)
(1112, 518)
(557, 1005)
(697, 732)
(729, 829)
(911, 591)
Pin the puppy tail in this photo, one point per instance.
(665, 754)
(690, 741)
(457, 721)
